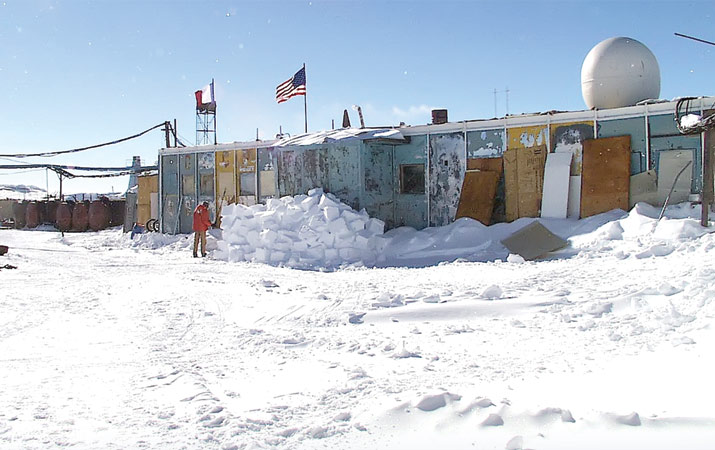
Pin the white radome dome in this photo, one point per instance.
(619, 72)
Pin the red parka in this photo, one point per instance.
(201, 218)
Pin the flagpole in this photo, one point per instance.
(305, 100)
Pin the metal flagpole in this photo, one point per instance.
(305, 100)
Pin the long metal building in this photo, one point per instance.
(429, 175)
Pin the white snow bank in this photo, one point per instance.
(306, 231)
(681, 222)
(318, 231)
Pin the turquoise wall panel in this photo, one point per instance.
(344, 174)
(170, 194)
(410, 209)
(378, 187)
(485, 144)
(664, 136)
(188, 191)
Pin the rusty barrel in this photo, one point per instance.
(18, 212)
(98, 215)
(63, 217)
(32, 215)
(51, 211)
(80, 216)
(117, 211)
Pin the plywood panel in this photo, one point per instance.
(477, 198)
(554, 202)
(524, 177)
(490, 164)
(605, 180)
(524, 162)
(148, 184)
(532, 241)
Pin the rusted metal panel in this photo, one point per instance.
(605, 180)
(315, 168)
(187, 172)
(448, 162)
(524, 162)
(378, 187)
(410, 209)
(485, 144)
(288, 172)
(568, 138)
(344, 173)
(225, 162)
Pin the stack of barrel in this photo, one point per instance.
(70, 216)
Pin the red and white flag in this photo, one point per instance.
(205, 97)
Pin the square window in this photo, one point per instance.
(412, 179)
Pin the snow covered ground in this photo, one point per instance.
(109, 342)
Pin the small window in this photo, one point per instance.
(412, 179)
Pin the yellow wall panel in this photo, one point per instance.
(225, 176)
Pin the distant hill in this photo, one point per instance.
(29, 192)
(21, 192)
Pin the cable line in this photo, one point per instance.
(27, 155)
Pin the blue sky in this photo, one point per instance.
(76, 73)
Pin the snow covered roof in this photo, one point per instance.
(323, 137)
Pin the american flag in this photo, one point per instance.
(292, 87)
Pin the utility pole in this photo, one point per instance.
(167, 127)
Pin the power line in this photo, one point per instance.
(21, 171)
(27, 155)
(694, 38)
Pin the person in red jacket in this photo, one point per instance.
(201, 224)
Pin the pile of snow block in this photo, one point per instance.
(305, 231)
